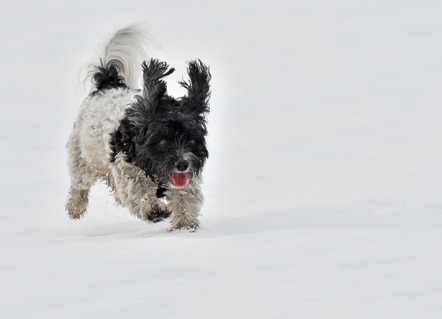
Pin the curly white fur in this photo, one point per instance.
(89, 151)
(126, 48)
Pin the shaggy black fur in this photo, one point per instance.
(161, 134)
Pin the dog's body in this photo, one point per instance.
(148, 146)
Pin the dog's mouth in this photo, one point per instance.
(179, 179)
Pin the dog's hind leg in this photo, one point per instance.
(77, 202)
(82, 178)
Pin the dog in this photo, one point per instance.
(149, 147)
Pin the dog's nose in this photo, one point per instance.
(182, 165)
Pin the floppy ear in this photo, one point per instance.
(123, 139)
(154, 88)
(198, 87)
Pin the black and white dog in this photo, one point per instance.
(148, 146)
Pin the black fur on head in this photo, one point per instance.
(161, 134)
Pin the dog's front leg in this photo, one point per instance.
(185, 204)
(139, 197)
(156, 211)
(137, 193)
(142, 202)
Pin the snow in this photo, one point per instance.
(323, 186)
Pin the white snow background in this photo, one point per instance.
(323, 186)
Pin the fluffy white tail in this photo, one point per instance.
(123, 52)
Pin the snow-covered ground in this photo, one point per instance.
(323, 187)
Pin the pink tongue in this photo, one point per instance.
(179, 179)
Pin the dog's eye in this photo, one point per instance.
(163, 142)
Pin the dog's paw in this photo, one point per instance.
(158, 214)
(192, 227)
(75, 211)
(76, 204)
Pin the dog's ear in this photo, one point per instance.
(198, 87)
(123, 139)
(154, 88)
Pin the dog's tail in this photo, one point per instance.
(118, 60)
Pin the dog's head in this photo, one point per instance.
(165, 136)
